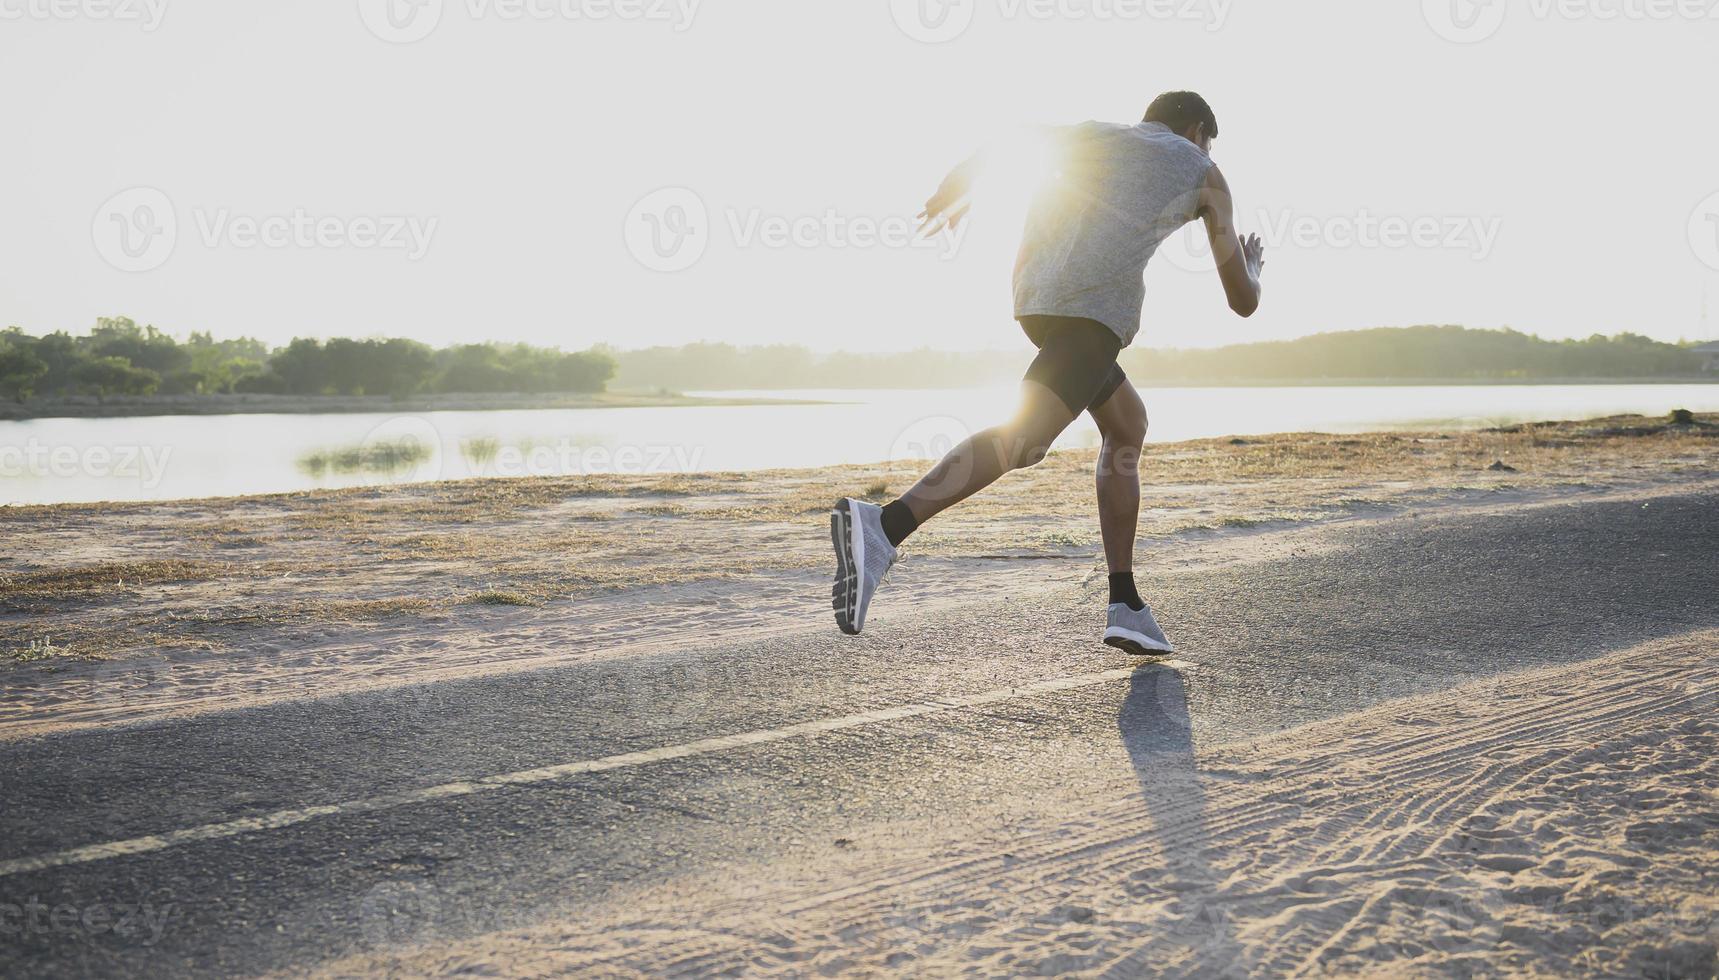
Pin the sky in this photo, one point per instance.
(644, 172)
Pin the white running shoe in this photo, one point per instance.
(864, 557)
(1135, 633)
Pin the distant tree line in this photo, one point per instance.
(1424, 353)
(118, 357)
(1429, 353)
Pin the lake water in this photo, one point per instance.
(165, 458)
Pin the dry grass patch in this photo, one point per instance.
(368, 610)
(80, 581)
(503, 597)
(75, 642)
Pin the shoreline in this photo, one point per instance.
(721, 481)
(1146, 383)
(160, 406)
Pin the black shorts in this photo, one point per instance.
(1077, 360)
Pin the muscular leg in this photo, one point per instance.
(1122, 422)
(982, 460)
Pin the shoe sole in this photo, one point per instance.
(845, 594)
(1134, 644)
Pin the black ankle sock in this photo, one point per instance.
(1122, 591)
(898, 523)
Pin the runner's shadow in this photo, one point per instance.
(1197, 936)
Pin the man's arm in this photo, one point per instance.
(949, 206)
(1239, 262)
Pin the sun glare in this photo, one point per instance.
(1019, 169)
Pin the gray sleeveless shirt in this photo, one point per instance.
(1122, 190)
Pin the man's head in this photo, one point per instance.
(1186, 114)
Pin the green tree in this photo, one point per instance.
(401, 367)
(302, 367)
(107, 376)
(60, 352)
(472, 369)
(143, 347)
(20, 370)
(220, 364)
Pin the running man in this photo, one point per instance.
(1079, 290)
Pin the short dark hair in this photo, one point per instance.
(1180, 110)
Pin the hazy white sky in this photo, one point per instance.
(310, 169)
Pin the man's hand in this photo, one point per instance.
(1253, 250)
(949, 206)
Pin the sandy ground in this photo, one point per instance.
(1456, 722)
(1550, 823)
(141, 611)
